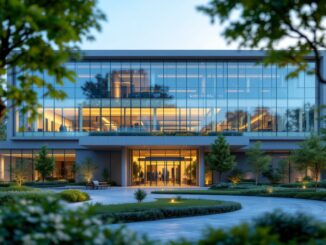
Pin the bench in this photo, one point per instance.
(97, 185)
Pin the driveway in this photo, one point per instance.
(192, 227)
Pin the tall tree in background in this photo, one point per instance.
(220, 158)
(312, 155)
(44, 163)
(266, 24)
(38, 36)
(258, 160)
(3, 128)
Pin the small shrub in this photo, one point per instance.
(220, 186)
(235, 176)
(307, 179)
(140, 195)
(74, 196)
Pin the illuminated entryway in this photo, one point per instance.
(164, 167)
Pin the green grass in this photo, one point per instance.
(159, 203)
(162, 209)
(259, 191)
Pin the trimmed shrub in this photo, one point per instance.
(140, 195)
(163, 213)
(16, 188)
(74, 196)
(7, 198)
(46, 184)
(220, 186)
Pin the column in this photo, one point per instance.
(155, 119)
(300, 120)
(124, 168)
(201, 167)
(2, 168)
(248, 120)
(80, 118)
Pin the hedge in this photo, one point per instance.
(68, 195)
(164, 213)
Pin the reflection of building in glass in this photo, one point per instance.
(119, 101)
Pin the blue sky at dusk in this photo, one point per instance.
(156, 24)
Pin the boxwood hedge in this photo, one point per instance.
(163, 213)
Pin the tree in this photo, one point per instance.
(273, 174)
(285, 169)
(20, 171)
(44, 164)
(87, 168)
(266, 24)
(311, 155)
(258, 160)
(3, 128)
(38, 36)
(220, 158)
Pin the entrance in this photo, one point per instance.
(164, 167)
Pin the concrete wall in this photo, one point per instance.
(111, 160)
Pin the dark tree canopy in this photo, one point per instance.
(38, 36)
(220, 158)
(265, 25)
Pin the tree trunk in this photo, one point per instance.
(316, 178)
(2, 108)
(257, 178)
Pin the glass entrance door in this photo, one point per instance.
(164, 167)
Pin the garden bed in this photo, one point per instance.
(263, 192)
(162, 209)
(10, 194)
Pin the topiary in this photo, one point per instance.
(140, 195)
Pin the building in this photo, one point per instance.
(149, 117)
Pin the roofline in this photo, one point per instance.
(175, 54)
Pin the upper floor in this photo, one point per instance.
(175, 93)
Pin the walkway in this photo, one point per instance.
(192, 227)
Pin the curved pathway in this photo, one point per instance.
(192, 227)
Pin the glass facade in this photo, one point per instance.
(18, 160)
(164, 167)
(176, 98)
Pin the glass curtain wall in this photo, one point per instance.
(163, 167)
(176, 97)
(13, 162)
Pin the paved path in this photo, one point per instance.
(192, 227)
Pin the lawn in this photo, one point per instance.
(161, 209)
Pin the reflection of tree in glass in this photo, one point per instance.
(98, 89)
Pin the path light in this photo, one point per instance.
(304, 187)
(270, 189)
(172, 201)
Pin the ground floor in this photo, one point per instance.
(192, 227)
(133, 166)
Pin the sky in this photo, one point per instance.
(156, 24)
